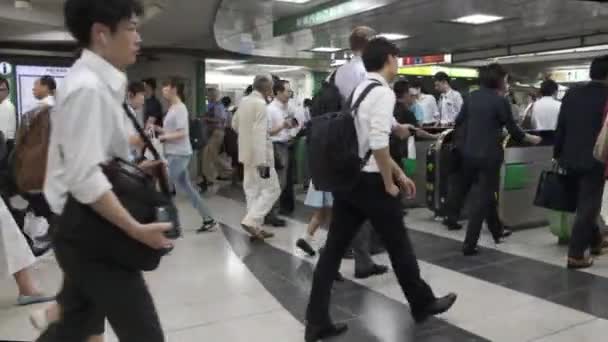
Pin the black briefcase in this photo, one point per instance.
(557, 191)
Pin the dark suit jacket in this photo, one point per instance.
(480, 126)
(153, 108)
(579, 124)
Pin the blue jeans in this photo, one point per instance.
(180, 177)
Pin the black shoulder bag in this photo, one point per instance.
(98, 239)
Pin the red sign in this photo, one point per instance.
(430, 59)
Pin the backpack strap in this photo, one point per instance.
(363, 95)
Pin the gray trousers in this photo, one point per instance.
(281, 154)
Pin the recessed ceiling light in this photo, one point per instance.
(478, 19)
(294, 1)
(326, 49)
(230, 67)
(223, 61)
(393, 36)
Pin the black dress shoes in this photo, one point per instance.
(274, 222)
(374, 271)
(316, 333)
(452, 224)
(438, 306)
(470, 250)
(503, 235)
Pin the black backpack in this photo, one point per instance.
(328, 99)
(333, 147)
(196, 134)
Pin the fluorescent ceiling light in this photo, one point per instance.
(326, 49)
(287, 69)
(338, 62)
(294, 1)
(478, 19)
(393, 36)
(223, 61)
(230, 67)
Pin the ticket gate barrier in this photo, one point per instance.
(417, 169)
(520, 174)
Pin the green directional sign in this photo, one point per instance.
(323, 14)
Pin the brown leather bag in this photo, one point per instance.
(31, 149)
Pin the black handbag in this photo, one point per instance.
(557, 190)
(98, 239)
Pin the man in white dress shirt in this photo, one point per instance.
(44, 90)
(89, 127)
(450, 101)
(8, 114)
(281, 120)
(545, 111)
(376, 198)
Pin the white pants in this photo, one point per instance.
(261, 195)
(15, 253)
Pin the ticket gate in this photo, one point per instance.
(520, 173)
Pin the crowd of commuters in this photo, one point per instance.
(259, 135)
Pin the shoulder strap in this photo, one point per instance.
(363, 95)
(163, 177)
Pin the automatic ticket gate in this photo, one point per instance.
(417, 169)
(519, 179)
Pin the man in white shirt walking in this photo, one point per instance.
(261, 183)
(281, 123)
(89, 127)
(545, 111)
(450, 101)
(8, 114)
(44, 90)
(375, 198)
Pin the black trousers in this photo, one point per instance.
(485, 204)
(287, 201)
(367, 201)
(93, 291)
(585, 231)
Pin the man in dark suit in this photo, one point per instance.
(579, 124)
(485, 114)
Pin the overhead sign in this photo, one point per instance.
(431, 70)
(323, 14)
(5, 68)
(422, 60)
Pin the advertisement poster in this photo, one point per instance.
(26, 76)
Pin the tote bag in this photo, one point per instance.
(556, 191)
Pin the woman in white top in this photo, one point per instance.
(175, 135)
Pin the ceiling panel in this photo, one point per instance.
(426, 21)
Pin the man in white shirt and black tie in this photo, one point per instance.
(374, 198)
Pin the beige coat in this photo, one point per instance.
(252, 125)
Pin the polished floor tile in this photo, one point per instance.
(220, 287)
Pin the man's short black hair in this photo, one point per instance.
(599, 69)
(492, 76)
(401, 87)
(249, 90)
(441, 77)
(49, 82)
(80, 15)
(307, 102)
(279, 86)
(150, 82)
(548, 88)
(226, 101)
(136, 88)
(377, 53)
(6, 83)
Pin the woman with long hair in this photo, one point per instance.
(175, 135)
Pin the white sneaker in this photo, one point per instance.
(39, 320)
